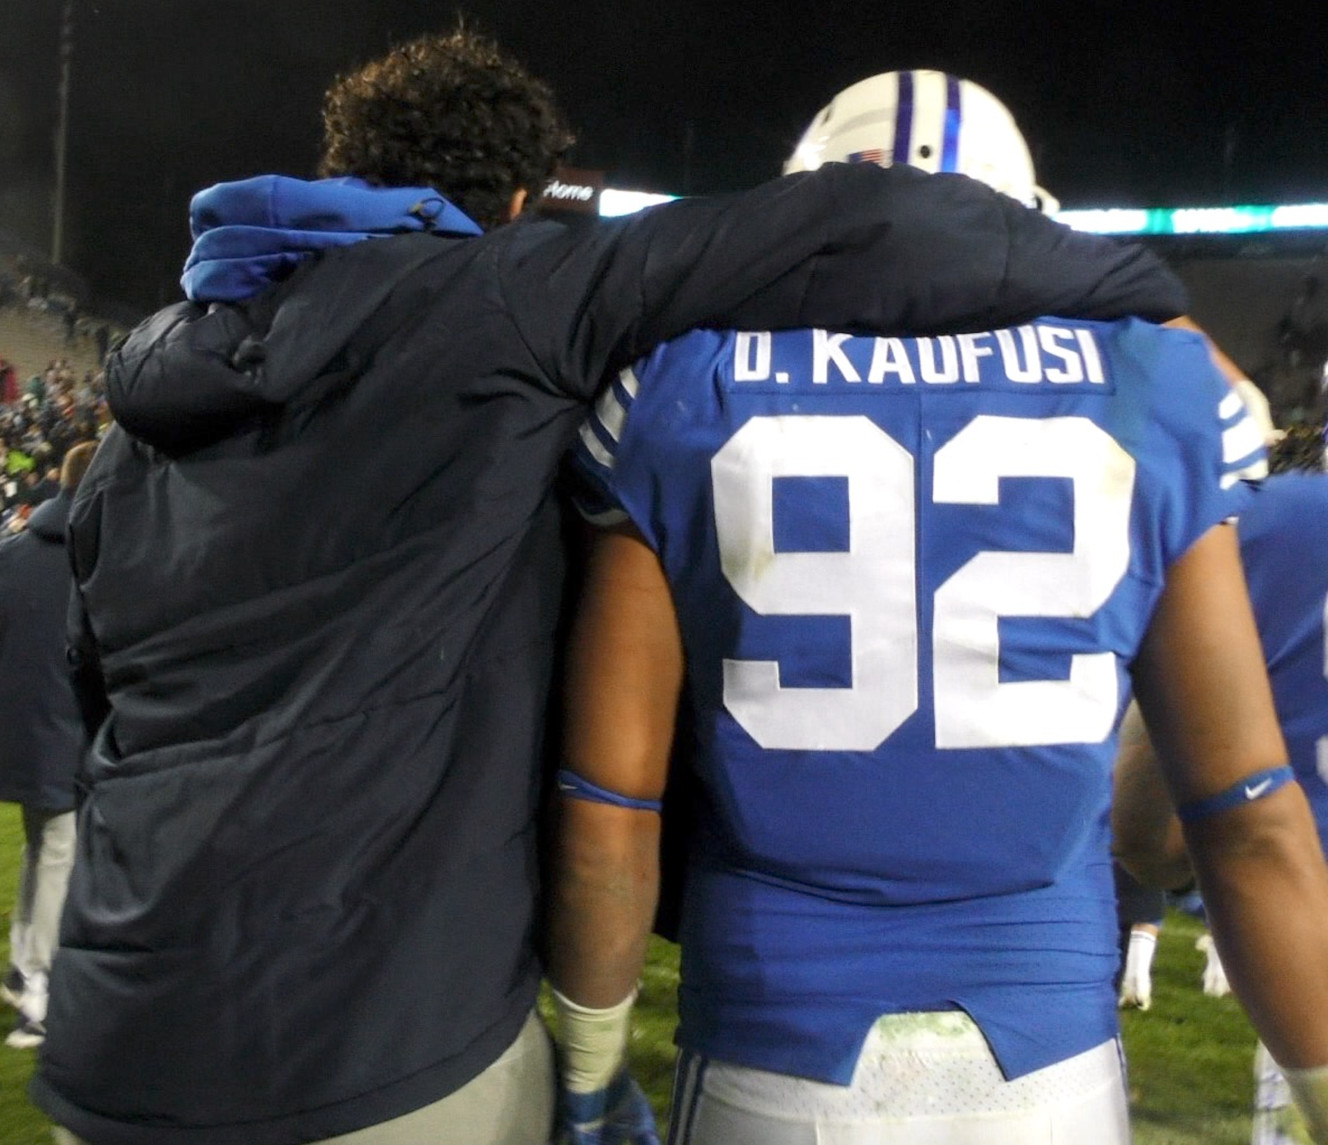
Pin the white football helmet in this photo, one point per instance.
(927, 119)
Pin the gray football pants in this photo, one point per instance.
(48, 857)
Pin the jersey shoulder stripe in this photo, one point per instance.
(603, 428)
(1243, 455)
(597, 446)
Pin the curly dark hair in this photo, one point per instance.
(452, 112)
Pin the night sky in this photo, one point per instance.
(1128, 103)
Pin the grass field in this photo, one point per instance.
(20, 1123)
(1190, 1080)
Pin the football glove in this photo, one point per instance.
(1136, 986)
(1215, 983)
(618, 1114)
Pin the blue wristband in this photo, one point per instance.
(1257, 786)
(575, 787)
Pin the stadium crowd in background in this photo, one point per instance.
(56, 410)
(29, 285)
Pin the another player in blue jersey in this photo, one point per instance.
(1284, 550)
(1284, 547)
(911, 583)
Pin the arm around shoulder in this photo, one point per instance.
(850, 246)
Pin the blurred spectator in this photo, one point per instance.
(47, 486)
(60, 410)
(1301, 448)
(43, 742)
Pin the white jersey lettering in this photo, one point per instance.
(827, 348)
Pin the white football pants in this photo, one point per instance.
(922, 1079)
(1276, 1119)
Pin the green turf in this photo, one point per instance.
(1190, 1056)
(20, 1122)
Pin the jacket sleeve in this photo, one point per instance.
(851, 246)
(85, 667)
(81, 651)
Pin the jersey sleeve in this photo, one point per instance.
(595, 455)
(851, 246)
(1243, 460)
(1204, 439)
(1244, 457)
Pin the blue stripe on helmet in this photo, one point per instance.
(950, 144)
(904, 118)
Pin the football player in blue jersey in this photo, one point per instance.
(912, 583)
(1284, 550)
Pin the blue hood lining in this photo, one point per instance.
(252, 233)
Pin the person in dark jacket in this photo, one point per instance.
(320, 563)
(42, 742)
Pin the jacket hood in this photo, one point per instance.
(189, 376)
(49, 519)
(254, 232)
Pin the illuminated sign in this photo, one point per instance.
(1197, 220)
(1104, 220)
(613, 203)
(572, 189)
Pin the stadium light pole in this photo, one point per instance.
(62, 132)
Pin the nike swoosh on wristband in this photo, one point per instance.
(1257, 790)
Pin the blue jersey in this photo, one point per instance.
(910, 574)
(1284, 546)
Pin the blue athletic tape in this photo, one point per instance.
(1260, 785)
(575, 787)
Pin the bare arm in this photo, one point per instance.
(1145, 832)
(1204, 693)
(624, 675)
